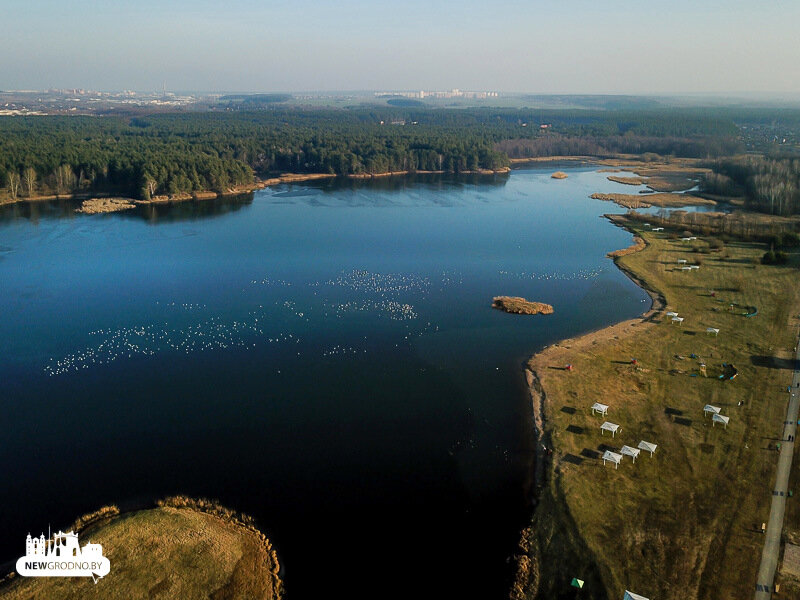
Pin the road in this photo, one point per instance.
(772, 543)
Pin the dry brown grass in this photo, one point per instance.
(521, 306)
(745, 225)
(627, 180)
(95, 206)
(682, 524)
(638, 244)
(658, 199)
(198, 550)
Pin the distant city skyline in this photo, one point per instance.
(542, 47)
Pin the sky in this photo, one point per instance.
(536, 46)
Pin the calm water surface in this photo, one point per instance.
(323, 357)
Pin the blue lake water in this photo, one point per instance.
(323, 357)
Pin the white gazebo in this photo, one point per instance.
(599, 408)
(613, 457)
(677, 320)
(720, 419)
(609, 426)
(632, 452)
(713, 330)
(631, 596)
(708, 408)
(648, 447)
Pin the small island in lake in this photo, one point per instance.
(95, 206)
(521, 306)
(559, 175)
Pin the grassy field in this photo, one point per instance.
(685, 523)
(167, 552)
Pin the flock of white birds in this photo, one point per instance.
(584, 274)
(377, 294)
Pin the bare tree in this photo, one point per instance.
(13, 184)
(29, 180)
(65, 179)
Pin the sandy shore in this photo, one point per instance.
(550, 354)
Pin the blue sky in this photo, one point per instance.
(566, 46)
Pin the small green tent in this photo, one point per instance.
(578, 583)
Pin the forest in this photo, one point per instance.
(162, 154)
(768, 184)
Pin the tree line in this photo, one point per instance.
(193, 151)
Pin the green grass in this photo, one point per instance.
(682, 524)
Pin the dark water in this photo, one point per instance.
(322, 357)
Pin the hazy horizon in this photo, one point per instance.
(570, 47)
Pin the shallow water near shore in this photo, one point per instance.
(322, 356)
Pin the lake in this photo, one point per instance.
(323, 357)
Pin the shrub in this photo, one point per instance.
(789, 240)
(716, 244)
(774, 258)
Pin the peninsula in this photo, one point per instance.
(218, 553)
(684, 521)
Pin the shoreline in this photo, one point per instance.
(527, 574)
(102, 202)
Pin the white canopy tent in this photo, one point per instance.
(613, 457)
(677, 320)
(658, 229)
(708, 408)
(609, 426)
(672, 314)
(648, 447)
(713, 330)
(599, 408)
(686, 268)
(631, 596)
(682, 261)
(720, 419)
(632, 452)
